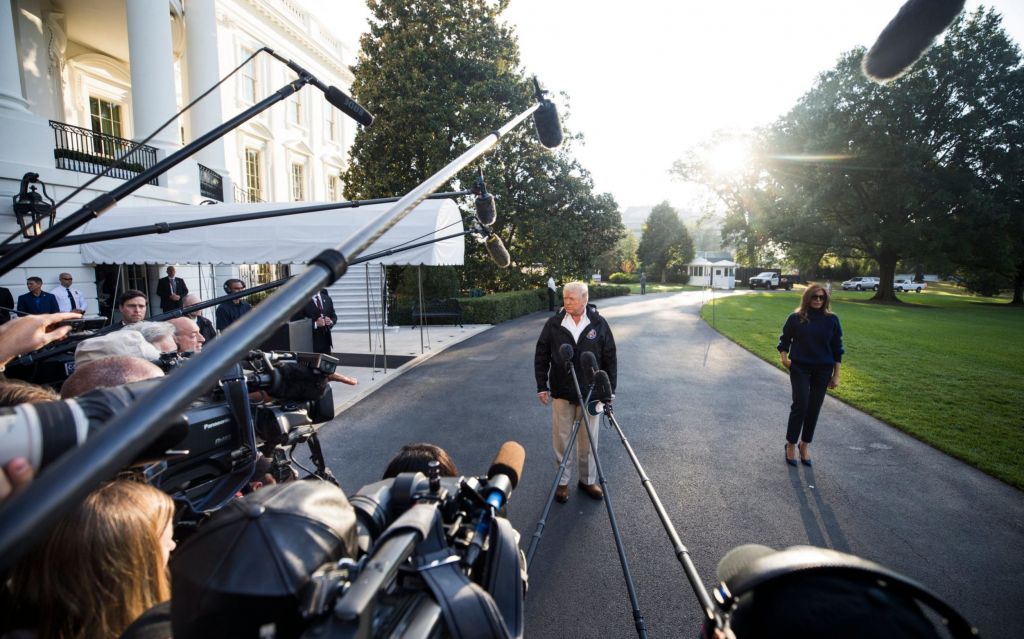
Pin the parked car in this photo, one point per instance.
(908, 285)
(770, 279)
(861, 284)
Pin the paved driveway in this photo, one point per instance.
(706, 419)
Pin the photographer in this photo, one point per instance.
(108, 372)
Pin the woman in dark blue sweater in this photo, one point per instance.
(811, 347)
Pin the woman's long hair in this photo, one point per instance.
(805, 302)
(101, 566)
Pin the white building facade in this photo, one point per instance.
(80, 80)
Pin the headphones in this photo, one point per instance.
(748, 568)
(227, 284)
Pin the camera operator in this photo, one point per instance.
(416, 458)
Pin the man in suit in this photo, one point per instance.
(320, 309)
(37, 301)
(69, 299)
(171, 290)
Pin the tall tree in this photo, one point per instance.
(894, 170)
(439, 76)
(665, 245)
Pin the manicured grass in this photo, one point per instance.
(944, 367)
(634, 289)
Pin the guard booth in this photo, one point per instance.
(719, 274)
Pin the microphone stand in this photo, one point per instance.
(167, 227)
(682, 554)
(127, 434)
(638, 618)
(23, 251)
(535, 540)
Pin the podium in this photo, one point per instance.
(293, 336)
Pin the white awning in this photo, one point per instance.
(285, 240)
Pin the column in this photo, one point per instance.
(11, 96)
(152, 70)
(204, 72)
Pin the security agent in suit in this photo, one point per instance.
(37, 301)
(68, 298)
(320, 309)
(171, 290)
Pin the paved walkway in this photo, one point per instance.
(397, 343)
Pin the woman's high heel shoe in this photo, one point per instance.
(805, 459)
(791, 462)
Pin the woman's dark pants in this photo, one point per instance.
(809, 386)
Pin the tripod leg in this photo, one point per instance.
(638, 618)
(535, 540)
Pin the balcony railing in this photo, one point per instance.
(246, 197)
(87, 151)
(211, 184)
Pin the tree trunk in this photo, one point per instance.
(1018, 287)
(886, 275)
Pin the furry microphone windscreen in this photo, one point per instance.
(905, 39)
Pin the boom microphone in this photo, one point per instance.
(545, 118)
(334, 95)
(905, 39)
(496, 249)
(485, 211)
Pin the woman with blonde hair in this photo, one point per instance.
(811, 348)
(100, 567)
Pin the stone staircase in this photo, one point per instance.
(351, 299)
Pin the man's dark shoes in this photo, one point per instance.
(593, 490)
(562, 494)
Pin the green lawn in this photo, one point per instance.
(634, 289)
(945, 367)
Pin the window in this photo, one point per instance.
(298, 182)
(248, 79)
(296, 108)
(105, 118)
(330, 123)
(256, 274)
(333, 188)
(253, 178)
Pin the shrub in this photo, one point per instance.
(601, 291)
(622, 278)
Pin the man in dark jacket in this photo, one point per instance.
(37, 301)
(171, 290)
(320, 309)
(579, 325)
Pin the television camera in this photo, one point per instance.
(209, 453)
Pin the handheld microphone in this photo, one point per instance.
(334, 95)
(545, 119)
(504, 473)
(907, 36)
(485, 211)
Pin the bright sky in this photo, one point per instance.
(647, 79)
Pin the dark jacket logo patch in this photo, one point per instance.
(592, 334)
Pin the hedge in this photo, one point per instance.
(500, 307)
